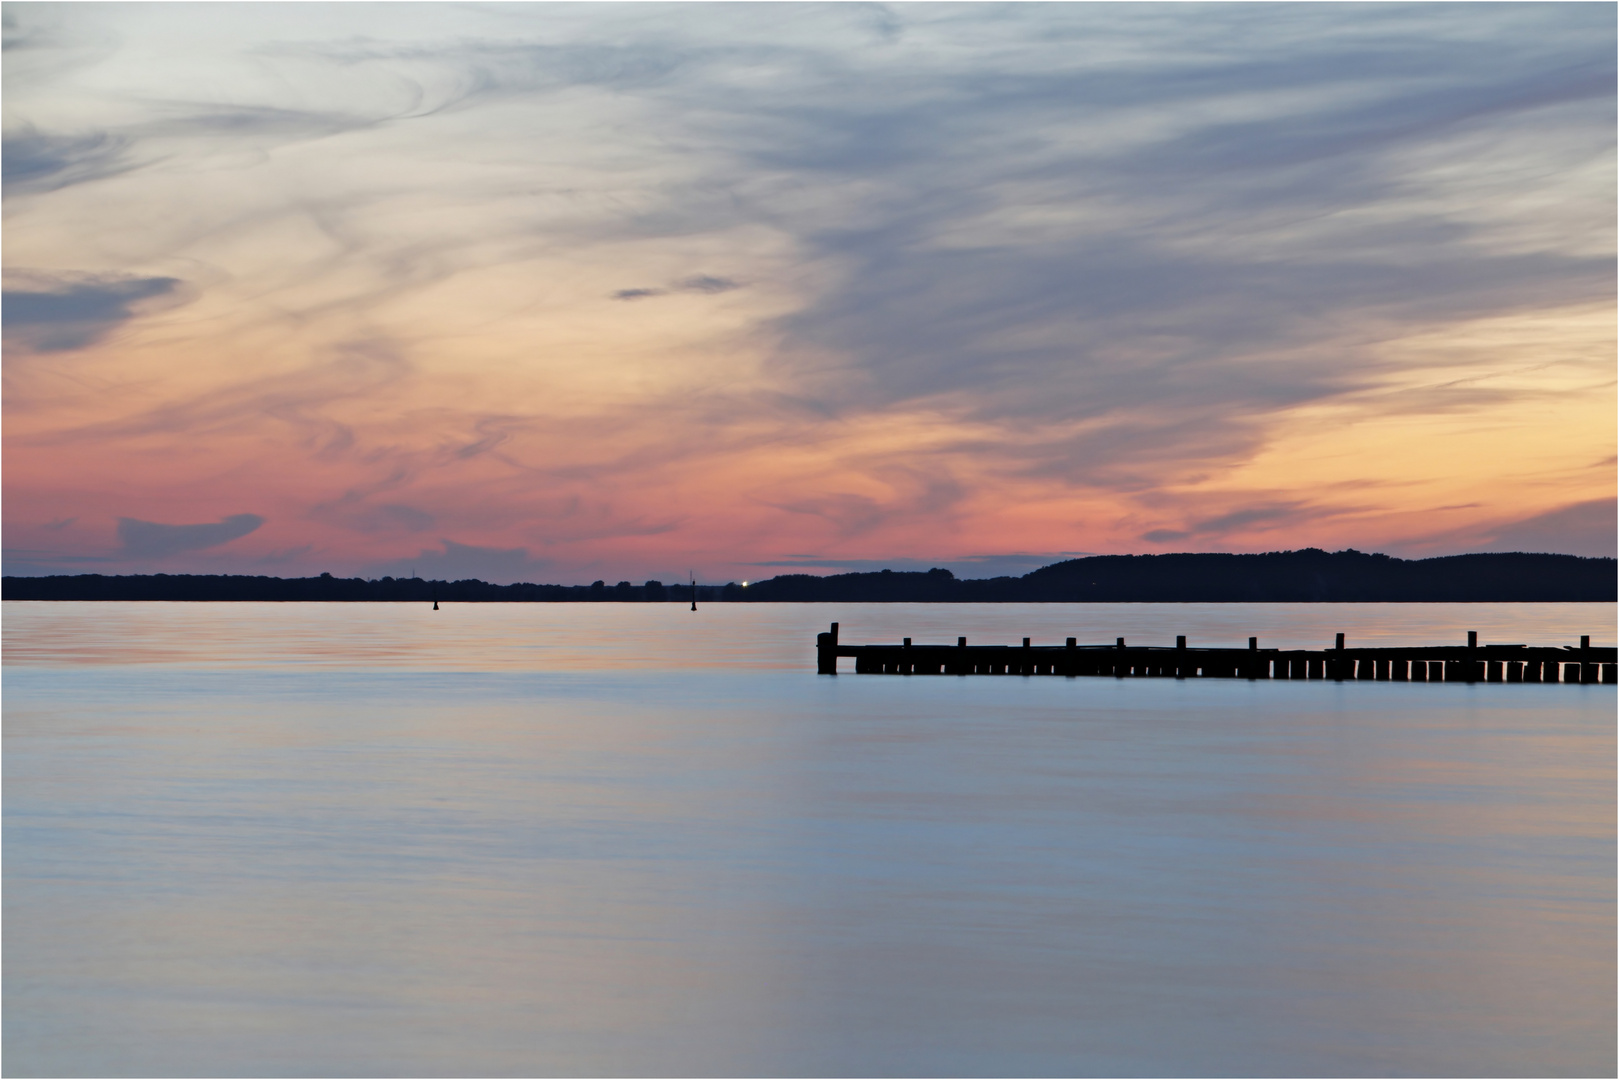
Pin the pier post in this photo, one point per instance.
(1180, 656)
(907, 665)
(1588, 670)
(1118, 664)
(1026, 662)
(1254, 662)
(1472, 656)
(1337, 662)
(1070, 657)
(826, 652)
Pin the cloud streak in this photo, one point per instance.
(702, 283)
(31, 161)
(154, 540)
(45, 313)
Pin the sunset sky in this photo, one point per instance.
(566, 292)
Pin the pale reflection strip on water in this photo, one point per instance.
(578, 637)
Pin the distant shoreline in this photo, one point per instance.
(1307, 576)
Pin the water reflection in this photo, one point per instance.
(580, 637)
(248, 862)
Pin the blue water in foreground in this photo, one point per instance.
(626, 839)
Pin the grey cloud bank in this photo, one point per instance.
(459, 562)
(1586, 528)
(154, 540)
(1589, 528)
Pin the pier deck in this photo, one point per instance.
(1437, 663)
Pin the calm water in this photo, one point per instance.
(629, 839)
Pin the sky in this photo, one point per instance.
(620, 291)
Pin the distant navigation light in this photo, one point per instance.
(744, 584)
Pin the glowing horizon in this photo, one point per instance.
(559, 293)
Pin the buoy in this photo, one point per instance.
(435, 605)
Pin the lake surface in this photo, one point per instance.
(368, 839)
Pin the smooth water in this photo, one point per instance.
(366, 839)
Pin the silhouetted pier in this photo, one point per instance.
(1469, 663)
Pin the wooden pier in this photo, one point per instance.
(1470, 663)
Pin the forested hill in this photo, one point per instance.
(1308, 575)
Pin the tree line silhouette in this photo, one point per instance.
(1310, 575)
